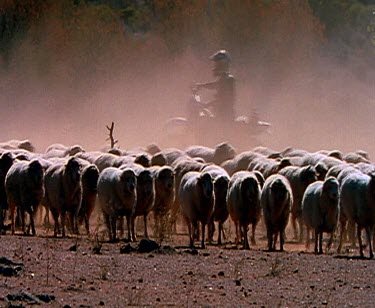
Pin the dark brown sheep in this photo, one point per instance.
(196, 196)
(117, 197)
(25, 189)
(276, 201)
(243, 201)
(220, 215)
(299, 178)
(63, 193)
(164, 197)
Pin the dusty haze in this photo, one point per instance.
(313, 100)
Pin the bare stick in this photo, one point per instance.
(113, 141)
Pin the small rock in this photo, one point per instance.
(206, 254)
(73, 248)
(147, 245)
(190, 273)
(101, 303)
(295, 271)
(140, 280)
(221, 273)
(158, 299)
(237, 282)
(127, 249)
(213, 276)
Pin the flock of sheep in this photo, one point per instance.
(321, 192)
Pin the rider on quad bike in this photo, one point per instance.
(225, 96)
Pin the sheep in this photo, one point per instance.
(243, 201)
(6, 161)
(265, 151)
(276, 201)
(240, 162)
(59, 150)
(158, 159)
(355, 158)
(169, 154)
(299, 178)
(117, 197)
(268, 166)
(18, 144)
(196, 197)
(164, 197)
(220, 214)
(321, 162)
(221, 153)
(63, 193)
(358, 205)
(290, 152)
(152, 149)
(180, 168)
(105, 160)
(145, 196)
(320, 210)
(365, 168)
(24, 187)
(89, 156)
(90, 176)
(336, 170)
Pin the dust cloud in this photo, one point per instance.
(312, 100)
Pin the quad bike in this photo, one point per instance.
(202, 127)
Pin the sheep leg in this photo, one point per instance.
(330, 241)
(252, 239)
(133, 233)
(73, 222)
(211, 230)
(316, 241)
(369, 235)
(282, 239)
(300, 223)
(87, 224)
(269, 239)
(342, 233)
(220, 232)
(21, 212)
(203, 245)
(32, 223)
(275, 236)
(351, 232)
(191, 233)
(307, 238)
(113, 223)
(145, 224)
(294, 226)
(108, 224)
(245, 240)
(63, 218)
(128, 224)
(12, 212)
(360, 241)
(238, 236)
(320, 240)
(2, 218)
(120, 225)
(46, 216)
(55, 215)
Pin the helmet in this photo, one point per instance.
(221, 55)
(221, 61)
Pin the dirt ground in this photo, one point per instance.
(68, 271)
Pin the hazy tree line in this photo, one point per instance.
(98, 36)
